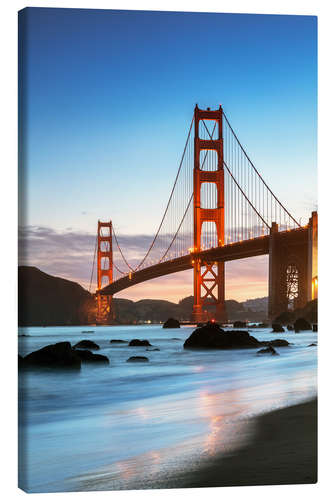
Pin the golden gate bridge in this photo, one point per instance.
(220, 209)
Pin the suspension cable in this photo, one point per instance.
(234, 134)
(176, 234)
(256, 211)
(120, 250)
(165, 211)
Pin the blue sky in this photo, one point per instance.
(110, 95)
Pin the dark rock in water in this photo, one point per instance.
(118, 341)
(312, 345)
(263, 325)
(175, 338)
(268, 350)
(154, 349)
(171, 323)
(137, 359)
(211, 336)
(315, 327)
(89, 357)
(21, 362)
(239, 324)
(277, 328)
(88, 331)
(276, 342)
(137, 342)
(302, 324)
(86, 344)
(60, 355)
(290, 327)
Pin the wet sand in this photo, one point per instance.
(283, 450)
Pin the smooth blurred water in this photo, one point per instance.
(110, 426)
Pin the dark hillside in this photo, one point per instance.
(48, 300)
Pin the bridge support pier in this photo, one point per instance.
(293, 279)
(209, 278)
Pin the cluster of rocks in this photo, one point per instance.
(62, 355)
(300, 324)
(212, 336)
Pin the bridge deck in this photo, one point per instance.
(233, 251)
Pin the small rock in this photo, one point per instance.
(171, 323)
(137, 342)
(268, 350)
(315, 327)
(277, 328)
(290, 327)
(239, 324)
(276, 343)
(154, 349)
(86, 344)
(137, 359)
(118, 341)
(89, 357)
(312, 345)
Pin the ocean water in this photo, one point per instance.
(128, 425)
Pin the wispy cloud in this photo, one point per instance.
(69, 254)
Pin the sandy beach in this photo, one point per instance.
(283, 450)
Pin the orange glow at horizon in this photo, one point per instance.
(245, 279)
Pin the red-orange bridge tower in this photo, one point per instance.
(208, 275)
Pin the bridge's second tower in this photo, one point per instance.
(104, 271)
(208, 275)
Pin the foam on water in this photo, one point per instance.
(93, 429)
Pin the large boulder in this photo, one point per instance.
(89, 357)
(302, 324)
(86, 344)
(137, 359)
(211, 336)
(137, 342)
(171, 323)
(21, 362)
(277, 328)
(60, 355)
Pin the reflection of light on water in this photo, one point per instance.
(155, 456)
(142, 412)
(224, 412)
(216, 429)
(198, 369)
